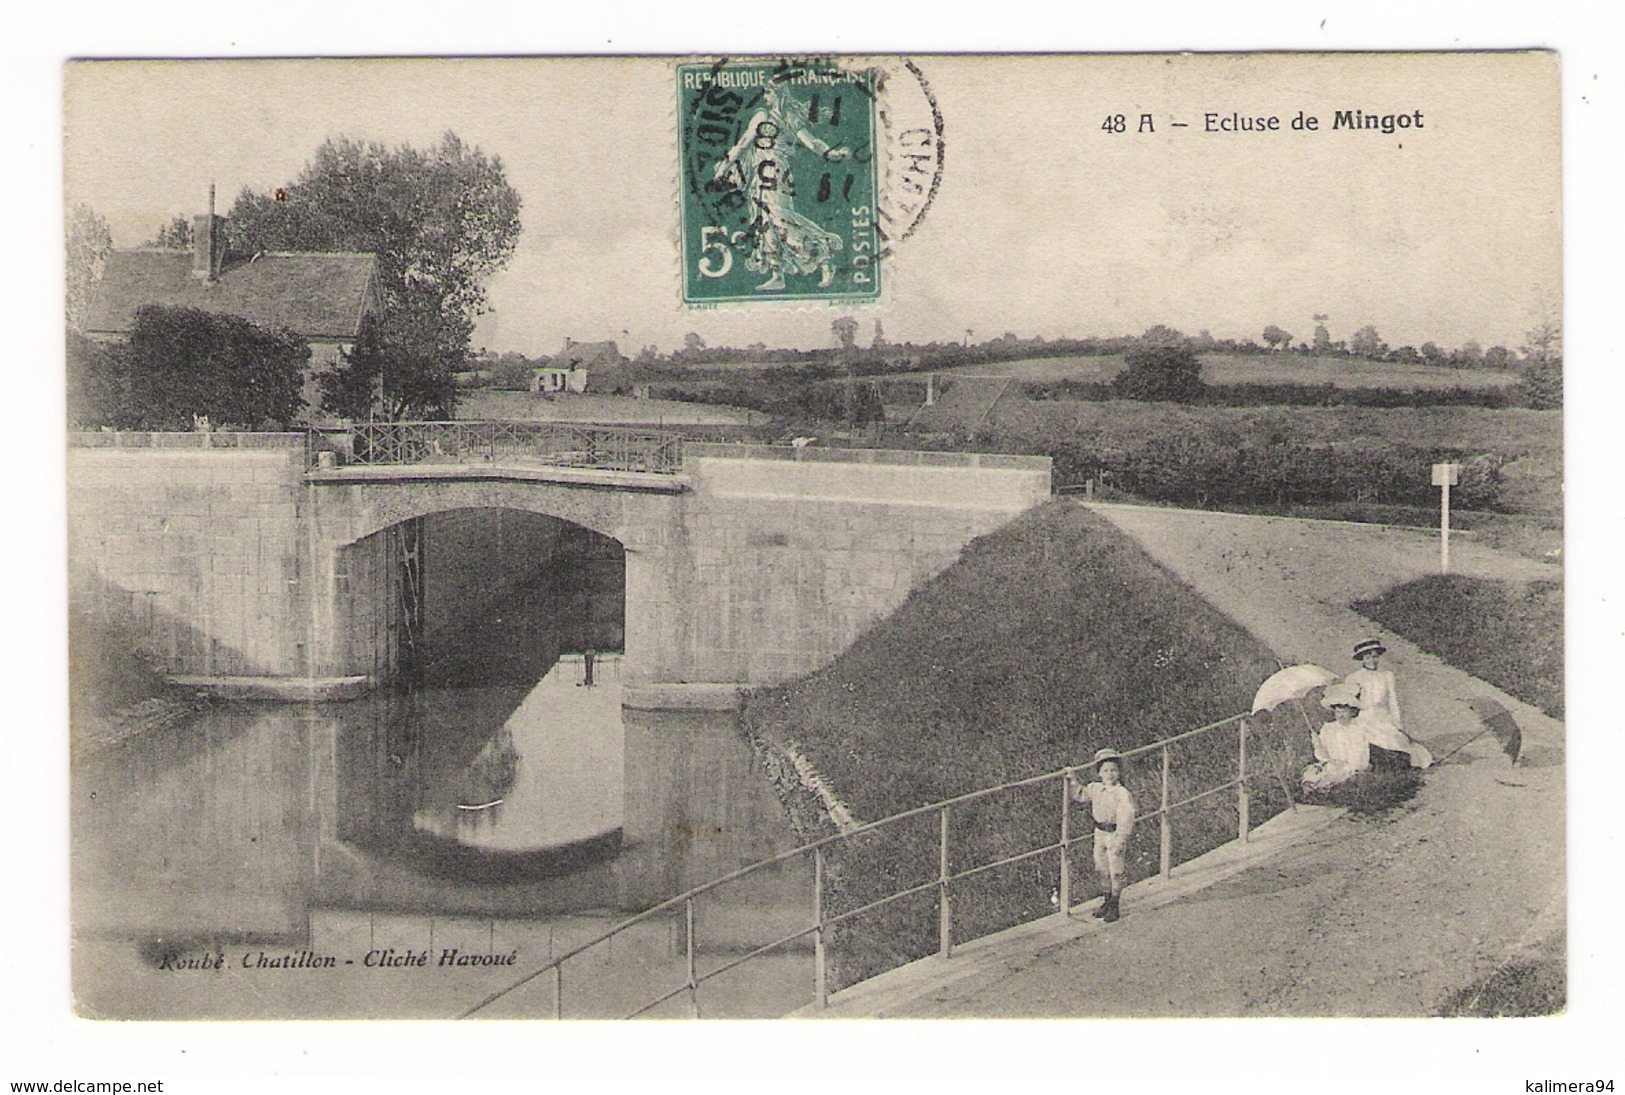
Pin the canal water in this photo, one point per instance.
(273, 860)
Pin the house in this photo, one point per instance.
(321, 296)
(570, 366)
(555, 378)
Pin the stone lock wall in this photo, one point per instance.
(196, 553)
(755, 566)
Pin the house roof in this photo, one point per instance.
(321, 296)
(587, 354)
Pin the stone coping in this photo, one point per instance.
(680, 696)
(285, 689)
(197, 439)
(707, 450)
(648, 482)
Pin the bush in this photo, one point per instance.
(183, 362)
(1160, 372)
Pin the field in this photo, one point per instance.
(1287, 367)
(1522, 449)
(586, 407)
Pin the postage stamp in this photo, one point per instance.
(779, 179)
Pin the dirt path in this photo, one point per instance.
(1395, 915)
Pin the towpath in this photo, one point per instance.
(1397, 915)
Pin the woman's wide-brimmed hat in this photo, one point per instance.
(1103, 755)
(1369, 646)
(1340, 695)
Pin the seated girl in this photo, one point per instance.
(1342, 750)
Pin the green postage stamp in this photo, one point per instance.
(778, 182)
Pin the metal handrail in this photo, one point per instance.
(616, 448)
(941, 882)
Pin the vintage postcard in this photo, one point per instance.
(857, 536)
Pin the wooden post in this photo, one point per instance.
(558, 991)
(1445, 476)
(1066, 837)
(820, 966)
(693, 984)
(1444, 528)
(945, 913)
(1241, 785)
(1167, 843)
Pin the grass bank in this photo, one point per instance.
(1047, 640)
(1507, 633)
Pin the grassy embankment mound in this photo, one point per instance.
(1047, 640)
(1507, 633)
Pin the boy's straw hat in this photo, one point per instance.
(1369, 646)
(1103, 755)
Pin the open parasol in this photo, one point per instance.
(1497, 720)
(1293, 682)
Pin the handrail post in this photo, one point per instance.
(1166, 852)
(1241, 784)
(693, 985)
(820, 959)
(1066, 842)
(558, 991)
(945, 913)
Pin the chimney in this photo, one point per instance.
(208, 242)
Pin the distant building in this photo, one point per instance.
(320, 296)
(553, 378)
(568, 370)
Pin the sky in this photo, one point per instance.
(1042, 224)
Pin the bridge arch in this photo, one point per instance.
(352, 511)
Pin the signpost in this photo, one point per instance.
(1445, 476)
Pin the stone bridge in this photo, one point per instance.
(253, 564)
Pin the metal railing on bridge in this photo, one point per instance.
(560, 444)
(941, 884)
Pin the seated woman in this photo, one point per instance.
(1341, 748)
(1378, 701)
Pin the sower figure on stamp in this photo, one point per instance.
(784, 240)
(1113, 810)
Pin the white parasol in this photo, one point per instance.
(1291, 683)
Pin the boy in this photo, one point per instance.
(1113, 810)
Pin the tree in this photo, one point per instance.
(879, 341)
(182, 362)
(1432, 354)
(1498, 357)
(1160, 334)
(1541, 385)
(1367, 343)
(1543, 345)
(351, 390)
(845, 329)
(693, 343)
(440, 220)
(1323, 337)
(175, 235)
(1276, 338)
(89, 242)
(1470, 355)
(1170, 373)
